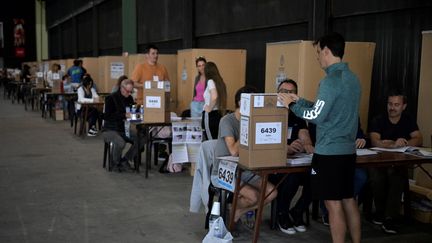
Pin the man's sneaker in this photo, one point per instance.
(325, 219)
(91, 133)
(377, 220)
(389, 227)
(298, 223)
(93, 130)
(285, 224)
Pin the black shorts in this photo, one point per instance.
(332, 176)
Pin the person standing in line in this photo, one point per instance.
(197, 103)
(215, 99)
(335, 113)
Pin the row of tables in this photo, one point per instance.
(382, 159)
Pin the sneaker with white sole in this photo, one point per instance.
(298, 223)
(91, 133)
(285, 225)
(389, 227)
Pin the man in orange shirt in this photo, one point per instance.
(150, 70)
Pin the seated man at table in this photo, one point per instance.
(114, 125)
(289, 220)
(392, 130)
(228, 144)
(87, 94)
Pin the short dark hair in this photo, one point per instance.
(334, 42)
(398, 92)
(244, 89)
(150, 46)
(288, 81)
(76, 62)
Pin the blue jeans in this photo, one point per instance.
(196, 108)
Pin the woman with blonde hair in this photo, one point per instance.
(215, 99)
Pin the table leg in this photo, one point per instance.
(137, 160)
(148, 150)
(262, 197)
(235, 200)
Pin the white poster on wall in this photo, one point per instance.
(117, 70)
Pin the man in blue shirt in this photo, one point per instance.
(335, 113)
(76, 73)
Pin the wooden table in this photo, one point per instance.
(84, 113)
(69, 96)
(382, 159)
(36, 93)
(144, 129)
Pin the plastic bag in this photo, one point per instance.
(218, 233)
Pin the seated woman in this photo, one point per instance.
(88, 94)
(228, 144)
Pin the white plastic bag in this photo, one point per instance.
(218, 233)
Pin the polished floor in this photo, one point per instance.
(53, 189)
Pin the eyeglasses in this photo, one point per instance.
(128, 91)
(288, 91)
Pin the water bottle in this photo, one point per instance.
(133, 112)
(215, 213)
(127, 128)
(142, 111)
(250, 219)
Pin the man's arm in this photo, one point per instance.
(416, 139)
(232, 145)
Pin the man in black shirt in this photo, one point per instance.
(114, 125)
(393, 130)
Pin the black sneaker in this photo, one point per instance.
(285, 224)
(298, 222)
(389, 227)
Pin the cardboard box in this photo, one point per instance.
(230, 62)
(424, 119)
(263, 131)
(156, 101)
(56, 88)
(59, 115)
(297, 60)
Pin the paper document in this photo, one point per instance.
(300, 158)
(361, 152)
(229, 158)
(400, 150)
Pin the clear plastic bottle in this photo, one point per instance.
(133, 112)
(215, 213)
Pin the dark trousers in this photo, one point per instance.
(287, 190)
(92, 116)
(210, 124)
(387, 187)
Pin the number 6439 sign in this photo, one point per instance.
(268, 132)
(227, 174)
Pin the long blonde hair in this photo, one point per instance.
(211, 72)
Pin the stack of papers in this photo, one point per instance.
(300, 158)
(361, 152)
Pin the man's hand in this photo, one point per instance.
(295, 147)
(401, 142)
(287, 99)
(360, 143)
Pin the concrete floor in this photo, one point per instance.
(53, 189)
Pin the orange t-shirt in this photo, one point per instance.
(145, 72)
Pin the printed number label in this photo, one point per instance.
(268, 130)
(226, 175)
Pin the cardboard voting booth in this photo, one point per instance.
(297, 60)
(230, 62)
(156, 101)
(110, 69)
(263, 131)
